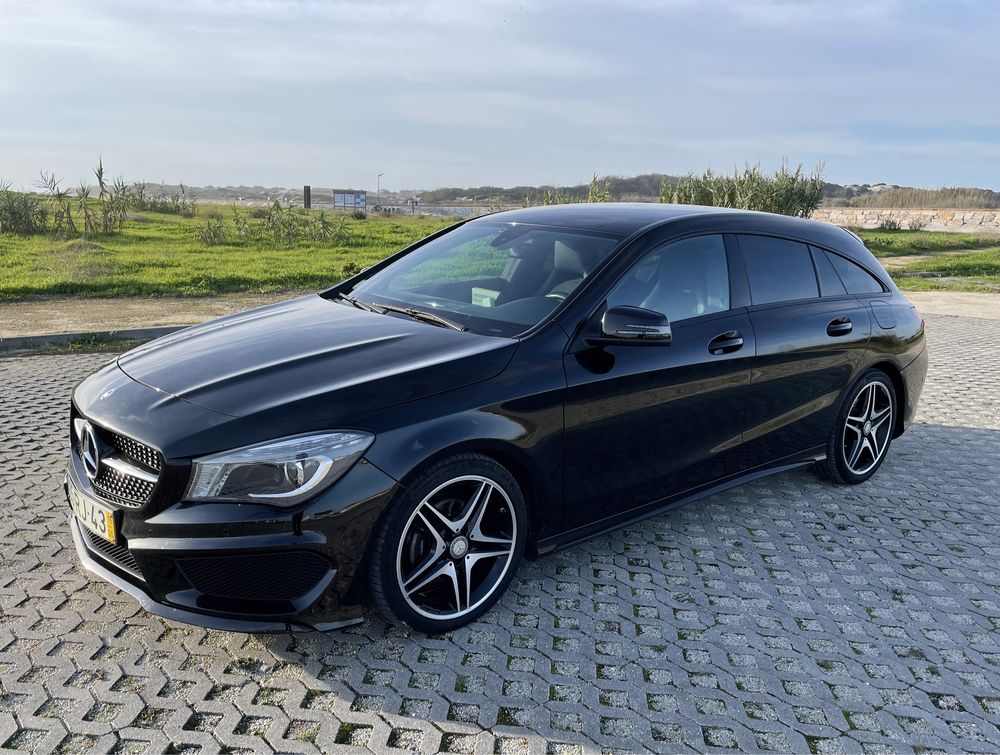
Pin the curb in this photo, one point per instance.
(56, 339)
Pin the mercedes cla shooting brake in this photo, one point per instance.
(505, 387)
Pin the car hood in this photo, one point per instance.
(312, 359)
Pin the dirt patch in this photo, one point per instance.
(57, 315)
(909, 259)
(962, 303)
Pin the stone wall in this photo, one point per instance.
(984, 221)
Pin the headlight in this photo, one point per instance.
(281, 472)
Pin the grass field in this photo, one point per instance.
(164, 255)
(938, 261)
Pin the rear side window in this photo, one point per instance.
(829, 281)
(856, 279)
(778, 269)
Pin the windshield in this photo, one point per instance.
(491, 278)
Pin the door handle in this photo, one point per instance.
(725, 343)
(839, 327)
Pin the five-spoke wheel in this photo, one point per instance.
(450, 544)
(860, 437)
(868, 427)
(456, 547)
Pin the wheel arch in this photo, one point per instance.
(513, 459)
(367, 583)
(899, 389)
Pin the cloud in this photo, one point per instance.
(499, 91)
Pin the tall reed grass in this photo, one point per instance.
(278, 226)
(786, 191)
(62, 212)
(951, 198)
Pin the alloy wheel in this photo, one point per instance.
(456, 547)
(867, 428)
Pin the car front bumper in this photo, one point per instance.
(241, 567)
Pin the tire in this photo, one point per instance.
(862, 431)
(449, 544)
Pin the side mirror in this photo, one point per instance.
(633, 326)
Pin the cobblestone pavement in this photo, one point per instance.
(784, 615)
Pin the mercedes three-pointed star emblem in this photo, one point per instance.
(90, 450)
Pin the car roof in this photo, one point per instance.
(611, 217)
(626, 218)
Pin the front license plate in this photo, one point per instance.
(93, 516)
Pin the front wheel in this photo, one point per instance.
(449, 544)
(860, 438)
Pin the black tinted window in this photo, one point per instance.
(495, 278)
(855, 278)
(778, 270)
(680, 280)
(829, 281)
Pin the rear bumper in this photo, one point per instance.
(914, 375)
(241, 567)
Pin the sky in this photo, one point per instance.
(497, 92)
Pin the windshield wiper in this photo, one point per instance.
(419, 314)
(358, 303)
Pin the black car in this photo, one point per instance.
(508, 386)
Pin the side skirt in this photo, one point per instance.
(574, 536)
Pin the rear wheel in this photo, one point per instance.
(860, 437)
(449, 545)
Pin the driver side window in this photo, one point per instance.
(682, 279)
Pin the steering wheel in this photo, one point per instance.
(556, 295)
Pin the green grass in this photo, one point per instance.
(903, 243)
(161, 254)
(938, 261)
(974, 271)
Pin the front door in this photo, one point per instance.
(647, 422)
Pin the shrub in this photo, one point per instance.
(242, 226)
(359, 215)
(888, 223)
(786, 192)
(282, 226)
(62, 204)
(213, 233)
(21, 213)
(179, 202)
(285, 226)
(955, 197)
(595, 193)
(57, 210)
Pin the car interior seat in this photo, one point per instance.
(570, 266)
(675, 292)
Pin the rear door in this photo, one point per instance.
(811, 337)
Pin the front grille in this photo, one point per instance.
(136, 451)
(118, 554)
(270, 576)
(132, 481)
(122, 488)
